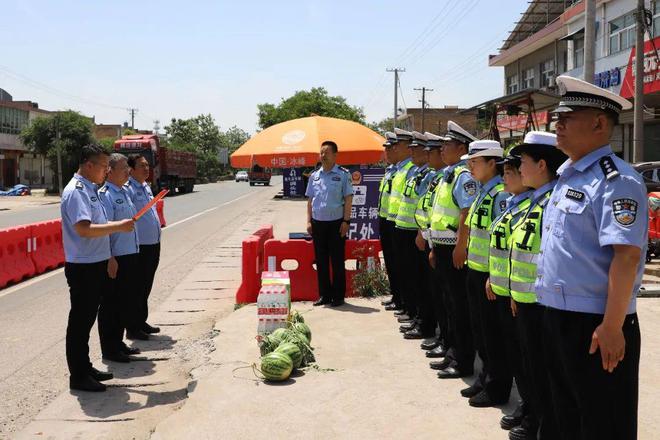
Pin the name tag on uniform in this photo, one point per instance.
(575, 195)
(337, 179)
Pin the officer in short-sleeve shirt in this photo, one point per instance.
(330, 193)
(590, 269)
(88, 266)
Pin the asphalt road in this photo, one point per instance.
(34, 314)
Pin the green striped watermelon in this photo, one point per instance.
(292, 351)
(304, 329)
(276, 366)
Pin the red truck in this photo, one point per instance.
(167, 168)
(259, 174)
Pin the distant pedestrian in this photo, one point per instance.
(330, 193)
(88, 267)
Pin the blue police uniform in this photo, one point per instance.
(465, 189)
(149, 235)
(327, 191)
(85, 270)
(599, 202)
(119, 206)
(80, 202)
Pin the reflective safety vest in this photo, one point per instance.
(445, 213)
(525, 247)
(405, 218)
(479, 220)
(425, 204)
(396, 193)
(384, 193)
(500, 248)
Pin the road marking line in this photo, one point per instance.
(45, 276)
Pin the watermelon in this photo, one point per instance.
(292, 351)
(303, 344)
(276, 366)
(268, 344)
(296, 317)
(304, 329)
(278, 334)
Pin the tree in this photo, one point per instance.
(233, 138)
(308, 103)
(75, 131)
(384, 125)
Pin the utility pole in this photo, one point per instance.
(638, 115)
(133, 111)
(396, 71)
(589, 41)
(423, 90)
(58, 136)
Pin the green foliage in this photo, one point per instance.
(370, 280)
(233, 138)
(308, 103)
(382, 126)
(75, 131)
(108, 143)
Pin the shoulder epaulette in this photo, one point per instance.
(344, 169)
(609, 167)
(79, 185)
(103, 189)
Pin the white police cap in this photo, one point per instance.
(536, 140)
(458, 133)
(403, 135)
(434, 141)
(390, 139)
(484, 148)
(419, 140)
(578, 95)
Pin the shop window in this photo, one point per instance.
(528, 78)
(512, 84)
(578, 52)
(547, 72)
(622, 33)
(12, 120)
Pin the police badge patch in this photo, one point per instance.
(502, 205)
(119, 201)
(625, 211)
(470, 188)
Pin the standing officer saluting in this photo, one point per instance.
(330, 193)
(88, 267)
(590, 269)
(148, 228)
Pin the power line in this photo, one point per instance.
(423, 101)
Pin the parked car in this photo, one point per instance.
(241, 176)
(259, 174)
(650, 171)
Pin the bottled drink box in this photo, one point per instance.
(273, 303)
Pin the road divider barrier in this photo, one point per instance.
(47, 250)
(252, 264)
(16, 246)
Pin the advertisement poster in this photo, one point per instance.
(293, 182)
(364, 212)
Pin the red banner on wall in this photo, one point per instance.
(520, 121)
(651, 71)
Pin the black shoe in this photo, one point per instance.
(437, 352)
(100, 376)
(117, 357)
(129, 350)
(483, 400)
(453, 373)
(522, 433)
(86, 383)
(398, 311)
(387, 302)
(150, 329)
(137, 335)
(415, 333)
(321, 302)
(440, 365)
(472, 390)
(429, 344)
(403, 318)
(510, 421)
(407, 327)
(337, 303)
(392, 307)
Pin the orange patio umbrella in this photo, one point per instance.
(296, 143)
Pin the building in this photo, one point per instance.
(17, 163)
(548, 41)
(435, 119)
(103, 131)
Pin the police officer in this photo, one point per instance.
(88, 266)
(118, 309)
(449, 236)
(148, 228)
(403, 169)
(413, 259)
(493, 386)
(330, 193)
(590, 269)
(384, 228)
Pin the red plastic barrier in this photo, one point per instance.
(304, 286)
(15, 261)
(160, 207)
(47, 249)
(253, 263)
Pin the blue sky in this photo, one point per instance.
(179, 59)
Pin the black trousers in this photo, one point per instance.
(591, 403)
(440, 301)
(329, 248)
(409, 270)
(88, 284)
(489, 338)
(530, 333)
(147, 264)
(427, 319)
(455, 285)
(119, 308)
(397, 264)
(385, 228)
(509, 330)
